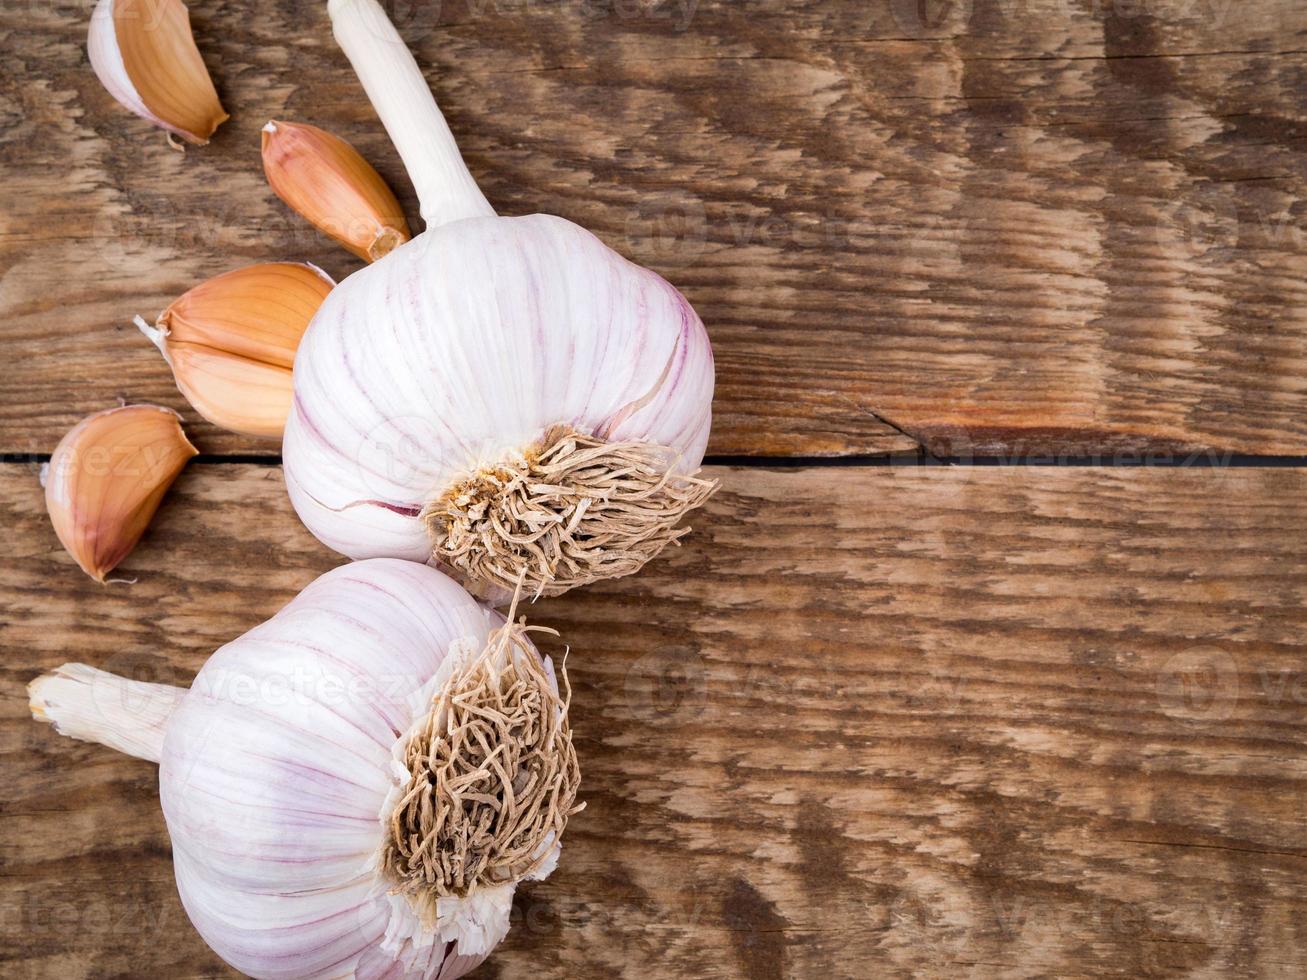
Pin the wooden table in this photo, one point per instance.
(870, 720)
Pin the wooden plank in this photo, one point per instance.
(866, 722)
(1004, 226)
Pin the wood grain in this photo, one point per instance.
(1003, 226)
(881, 721)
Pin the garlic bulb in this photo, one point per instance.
(231, 341)
(355, 787)
(507, 396)
(145, 56)
(107, 477)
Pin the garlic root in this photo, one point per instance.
(460, 825)
(569, 511)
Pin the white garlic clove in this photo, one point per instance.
(106, 479)
(145, 56)
(328, 182)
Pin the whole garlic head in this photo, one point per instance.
(323, 788)
(505, 395)
(481, 335)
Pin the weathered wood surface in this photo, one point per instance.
(943, 722)
(1003, 225)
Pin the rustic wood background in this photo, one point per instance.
(870, 720)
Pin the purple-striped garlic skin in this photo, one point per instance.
(279, 771)
(464, 346)
(289, 775)
(505, 397)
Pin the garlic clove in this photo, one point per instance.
(235, 393)
(329, 183)
(106, 478)
(231, 342)
(145, 56)
(259, 312)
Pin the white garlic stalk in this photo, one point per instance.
(506, 396)
(355, 787)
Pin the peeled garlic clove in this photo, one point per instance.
(106, 478)
(326, 180)
(145, 56)
(231, 342)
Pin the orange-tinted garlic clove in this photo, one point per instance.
(231, 342)
(240, 395)
(326, 180)
(145, 56)
(106, 478)
(259, 311)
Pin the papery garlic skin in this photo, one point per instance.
(231, 342)
(107, 477)
(481, 334)
(145, 57)
(464, 347)
(278, 775)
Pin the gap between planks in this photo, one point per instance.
(1208, 459)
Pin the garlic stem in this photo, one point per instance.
(394, 83)
(96, 706)
(155, 335)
